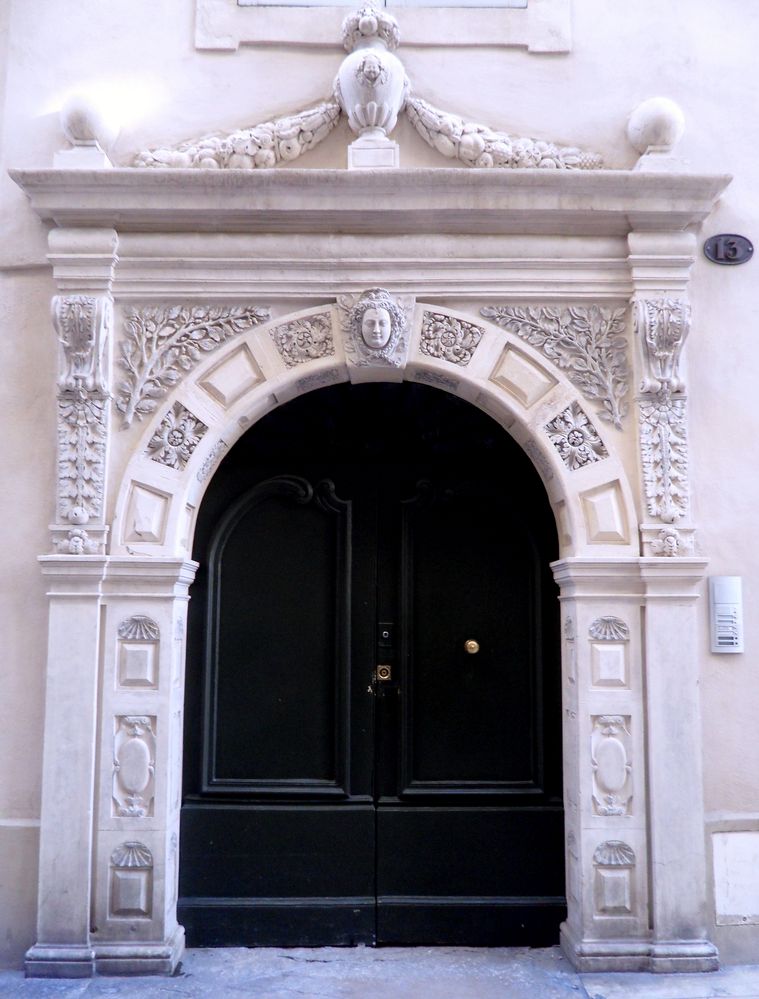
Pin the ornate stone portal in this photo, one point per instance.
(543, 347)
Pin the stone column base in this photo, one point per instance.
(665, 957)
(140, 959)
(60, 961)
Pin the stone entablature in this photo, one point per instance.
(546, 272)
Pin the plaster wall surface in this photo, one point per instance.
(140, 58)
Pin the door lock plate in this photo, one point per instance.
(384, 673)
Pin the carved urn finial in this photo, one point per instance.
(371, 84)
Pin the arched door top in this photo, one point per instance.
(377, 337)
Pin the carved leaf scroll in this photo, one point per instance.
(304, 339)
(263, 145)
(162, 344)
(449, 339)
(664, 456)
(480, 146)
(588, 343)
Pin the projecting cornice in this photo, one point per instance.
(437, 200)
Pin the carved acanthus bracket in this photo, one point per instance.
(83, 326)
(371, 89)
(661, 326)
(586, 342)
(375, 326)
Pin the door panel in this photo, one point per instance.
(322, 806)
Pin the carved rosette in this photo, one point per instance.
(161, 344)
(305, 339)
(587, 343)
(375, 327)
(82, 325)
(575, 438)
(176, 438)
(449, 339)
(610, 752)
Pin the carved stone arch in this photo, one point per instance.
(249, 375)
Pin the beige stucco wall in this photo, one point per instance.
(140, 57)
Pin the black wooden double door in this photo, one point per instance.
(373, 723)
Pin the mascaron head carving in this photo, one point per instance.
(376, 325)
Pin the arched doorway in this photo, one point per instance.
(327, 800)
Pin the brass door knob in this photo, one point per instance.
(471, 646)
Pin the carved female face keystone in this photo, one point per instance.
(376, 328)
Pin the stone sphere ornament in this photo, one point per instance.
(657, 123)
(85, 123)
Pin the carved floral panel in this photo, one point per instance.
(177, 436)
(305, 339)
(449, 339)
(575, 438)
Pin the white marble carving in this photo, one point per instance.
(134, 766)
(587, 343)
(575, 438)
(669, 542)
(82, 325)
(147, 512)
(611, 764)
(522, 378)
(437, 380)
(609, 629)
(661, 327)
(371, 85)
(613, 862)
(263, 145)
(664, 455)
(319, 379)
(131, 882)
(603, 508)
(176, 437)
(213, 457)
(449, 339)
(480, 146)
(139, 628)
(305, 339)
(161, 344)
(375, 327)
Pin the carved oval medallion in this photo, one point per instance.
(611, 761)
(134, 766)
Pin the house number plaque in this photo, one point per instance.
(728, 248)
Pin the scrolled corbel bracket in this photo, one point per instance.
(83, 264)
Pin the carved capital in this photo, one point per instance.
(661, 326)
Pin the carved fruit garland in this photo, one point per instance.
(587, 343)
(162, 344)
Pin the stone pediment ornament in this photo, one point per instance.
(371, 89)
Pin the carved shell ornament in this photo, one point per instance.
(371, 89)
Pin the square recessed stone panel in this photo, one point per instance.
(233, 377)
(147, 514)
(521, 377)
(609, 664)
(137, 664)
(605, 515)
(130, 893)
(613, 892)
